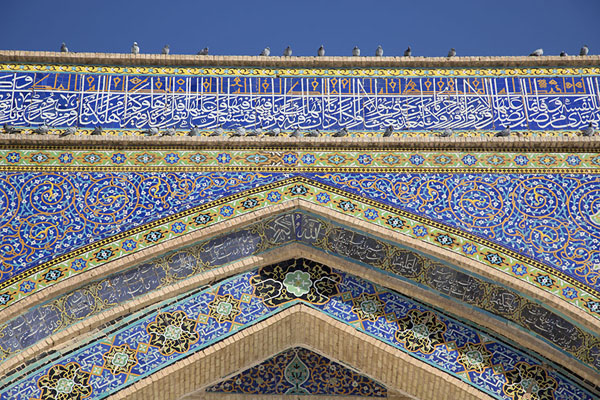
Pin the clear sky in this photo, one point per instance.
(431, 27)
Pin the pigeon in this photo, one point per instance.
(408, 52)
(166, 50)
(287, 52)
(42, 130)
(64, 48)
(135, 49)
(314, 133)
(379, 51)
(563, 54)
(341, 133)
(266, 52)
(537, 53)
(504, 132)
(452, 52)
(239, 131)
(150, 132)
(10, 129)
(356, 51)
(446, 133)
(169, 132)
(388, 131)
(584, 50)
(68, 132)
(589, 131)
(254, 132)
(195, 131)
(273, 132)
(321, 51)
(97, 131)
(203, 52)
(218, 132)
(296, 133)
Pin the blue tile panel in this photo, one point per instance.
(44, 215)
(299, 371)
(162, 337)
(552, 218)
(140, 101)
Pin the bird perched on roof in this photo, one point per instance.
(537, 53)
(287, 52)
(452, 52)
(504, 132)
(563, 54)
(64, 48)
(408, 52)
(203, 52)
(217, 132)
(314, 133)
(195, 131)
(296, 133)
(446, 133)
(356, 51)
(266, 52)
(239, 131)
(97, 131)
(589, 131)
(166, 50)
(388, 131)
(150, 132)
(11, 130)
(255, 132)
(273, 132)
(135, 49)
(321, 51)
(584, 50)
(42, 129)
(379, 51)
(68, 132)
(341, 133)
(169, 132)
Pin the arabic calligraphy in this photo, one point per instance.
(358, 103)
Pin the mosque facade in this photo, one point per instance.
(205, 227)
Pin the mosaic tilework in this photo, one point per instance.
(357, 103)
(305, 160)
(57, 314)
(45, 215)
(299, 371)
(554, 219)
(463, 243)
(162, 337)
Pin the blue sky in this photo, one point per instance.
(473, 27)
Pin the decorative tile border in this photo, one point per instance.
(298, 160)
(292, 72)
(300, 227)
(146, 343)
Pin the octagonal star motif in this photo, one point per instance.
(172, 332)
(474, 357)
(420, 331)
(368, 307)
(224, 308)
(529, 382)
(120, 359)
(65, 382)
